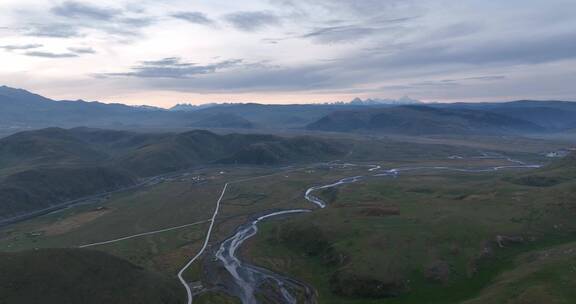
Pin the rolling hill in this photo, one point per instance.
(50, 145)
(40, 188)
(177, 151)
(71, 276)
(558, 172)
(42, 169)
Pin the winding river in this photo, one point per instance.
(247, 279)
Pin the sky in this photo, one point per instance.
(289, 51)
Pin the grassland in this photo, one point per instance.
(70, 276)
(169, 204)
(540, 276)
(426, 237)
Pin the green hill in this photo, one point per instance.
(45, 146)
(294, 149)
(39, 188)
(178, 151)
(45, 168)
(72, 276)
(543, 276)
(555, 173)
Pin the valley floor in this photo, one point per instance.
(427, 236)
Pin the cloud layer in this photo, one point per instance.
(250, 21)
(321, 49)
(173, 67)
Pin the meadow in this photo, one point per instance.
(425, 237)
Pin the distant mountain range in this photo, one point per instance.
(376, 101)
(485, 118)
(187, 107)
(20, 109)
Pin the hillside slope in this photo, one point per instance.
(39, 188)
(289, 150)
(552, 115)
(72, 276)
(544, 276)
(178, 151)
(20, 108)
(417, 120)
(52, 145)
(45, 168)
(555, 173)
(224, 120)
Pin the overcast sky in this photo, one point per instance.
(289, 51)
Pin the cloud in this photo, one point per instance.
(519, 50)
(460, 29)
(194, 17)
(74, 9)
(81, 50)
(52, 30)
(486, 78)
(251, 21)
(446, 83)
(29, 50)
(137, 22)
(173, 68)
(339, 34)
(235, 75)
(72, 19)
(327, 46)
(50, 55)
(248, 79)
(15, 47)
(364, 8)
(342, 27)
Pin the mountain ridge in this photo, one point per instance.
(21, 109)
(419, 120)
